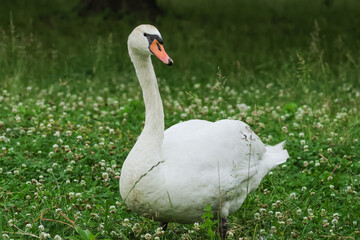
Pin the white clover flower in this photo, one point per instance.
(5, 235)
(57, 237)
(302, 142)
(41, 227)
(71, 195)
(306, 148)
(284, 129)
(28, 225)
(257, 216)
(69, 168)
(112, 209)
(262, 211)
(334, 221)
(11, 222)
(126, 222)
(196, 226)
(148, 236)
(325, 223)
(79, 138)
(249, 120)
(105, 176)
(293, 195)
(44, 235)
(329, 150)
(298, 212)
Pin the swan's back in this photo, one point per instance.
(205, 160)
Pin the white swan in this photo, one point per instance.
(171, 176)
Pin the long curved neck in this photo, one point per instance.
(154, 116)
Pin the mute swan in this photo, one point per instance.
(170, 176)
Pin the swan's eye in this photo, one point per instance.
(152, 37)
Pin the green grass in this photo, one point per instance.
(71, 110)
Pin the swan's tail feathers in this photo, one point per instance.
(275, 155)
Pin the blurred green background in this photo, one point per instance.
(44, 42)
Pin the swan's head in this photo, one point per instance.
(145, 40)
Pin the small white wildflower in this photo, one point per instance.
(148, 236)
(11, 222)
(71, 195)
(105, 176)
(112, 209)
(293, 195)
(41, 227)
(196, 226)
(284, 129)
(57, 237)
(278, 215)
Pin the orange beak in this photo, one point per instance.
(158, 50)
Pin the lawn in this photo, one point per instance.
(71, 109)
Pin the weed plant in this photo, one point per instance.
(71, 109)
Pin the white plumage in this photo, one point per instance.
(171, 176)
